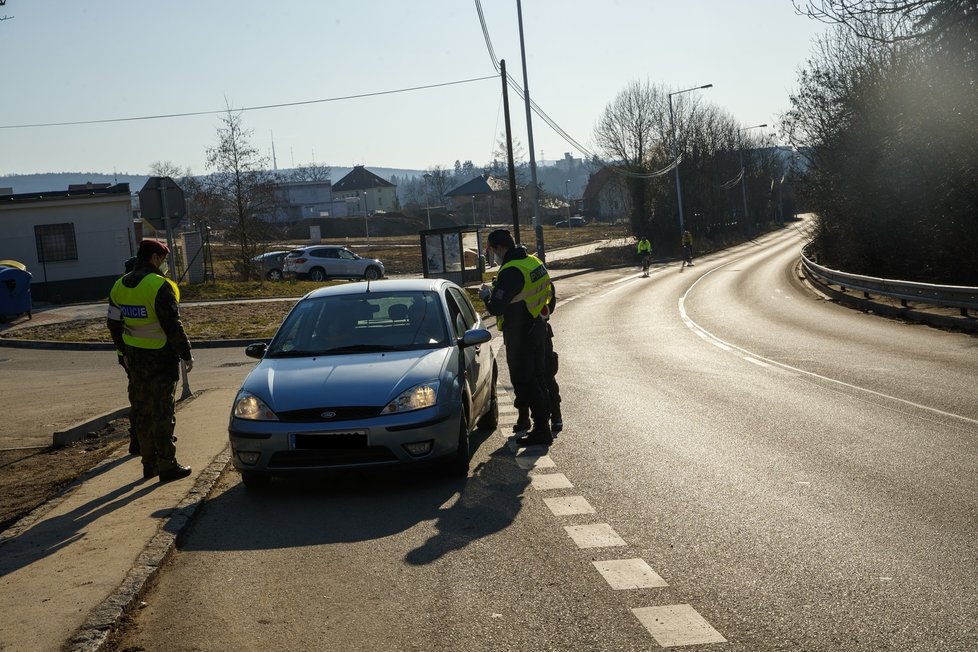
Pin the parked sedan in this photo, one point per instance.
(367, 374)
(570, 222)
(270, 264)
(331, 261)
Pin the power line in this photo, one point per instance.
(552, 123)
(247, 108)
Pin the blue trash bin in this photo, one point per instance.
(15, 293)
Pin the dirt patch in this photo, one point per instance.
(31, 477)
(254, 319)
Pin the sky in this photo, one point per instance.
(70, 61)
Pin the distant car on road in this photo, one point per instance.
(319, 262)
(574, 221)
(396, 372)
(270, 264)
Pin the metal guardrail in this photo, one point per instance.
(950, 296)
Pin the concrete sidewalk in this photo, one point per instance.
(69, 570)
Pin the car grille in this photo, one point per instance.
(307, 459)
(315, 415)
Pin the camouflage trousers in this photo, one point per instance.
(152, 418)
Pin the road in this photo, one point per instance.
(787, 474)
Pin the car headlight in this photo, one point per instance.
(416, 398)
(248, 406)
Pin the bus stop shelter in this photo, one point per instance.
(453, 253)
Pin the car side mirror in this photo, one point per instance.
(256, 350)
(474, 337)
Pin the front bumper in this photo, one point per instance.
(281, 448)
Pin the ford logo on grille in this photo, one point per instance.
(328, 415)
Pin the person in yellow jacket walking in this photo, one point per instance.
(687, 249)
(645, 254)
(518, 297)
(144, 321)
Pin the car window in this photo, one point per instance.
(295, 253)
(361, 323)
(324, 253)
(468, 313)
(456, 315)
(346, 254)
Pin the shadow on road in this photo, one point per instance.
(353, 506)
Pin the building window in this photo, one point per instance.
(55, 242)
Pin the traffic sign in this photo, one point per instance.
(162, 197)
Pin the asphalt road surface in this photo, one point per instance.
(744, 466)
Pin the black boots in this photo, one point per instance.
(175, 473)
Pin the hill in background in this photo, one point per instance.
(46, 181)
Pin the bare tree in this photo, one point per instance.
(309, 172)
(168, 169)
(913, 19)
(241, 190)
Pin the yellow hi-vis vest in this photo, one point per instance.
(140, 325)
(644, 246)
(536, 285)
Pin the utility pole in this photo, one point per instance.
(537, 227)
(513, 196)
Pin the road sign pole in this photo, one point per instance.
(187, 393)
(166, 227)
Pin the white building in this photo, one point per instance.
(74, 242)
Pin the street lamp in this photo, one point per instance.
(672, 128)
(427, 206)
(366, 225)
(743, 179)
(567, 200)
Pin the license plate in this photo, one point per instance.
(339, 440)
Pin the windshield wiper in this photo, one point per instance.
(365, 348)
(294, 353)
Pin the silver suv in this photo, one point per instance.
(319, 262)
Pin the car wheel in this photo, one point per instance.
(459, 465)
(274, 275)
(372, 273)
(317, 274)
(490, 419)
(255, 480)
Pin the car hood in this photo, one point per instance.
(361, 379)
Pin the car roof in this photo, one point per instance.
(386, 285)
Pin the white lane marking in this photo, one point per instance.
(597, 535)
(545, 482)
(569, 505)
(755, 361)
(677, 624)
(531, 461)
(727, 346)
(629, 574)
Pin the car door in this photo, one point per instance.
(477, 358)
(326, 258)
(349, 263)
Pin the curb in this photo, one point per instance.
(96, 634)
(79, 431)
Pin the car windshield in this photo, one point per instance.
(361, 323)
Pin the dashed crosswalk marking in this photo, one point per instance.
(677, 624)
(569, 505)
(629, 574)
(595, 535)
(534, 461)
(547, 481)
(671, 625)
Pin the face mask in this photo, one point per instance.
(164, 268)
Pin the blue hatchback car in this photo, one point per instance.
(367, 374)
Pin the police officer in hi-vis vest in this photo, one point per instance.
(144, 320)
(518, 297)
